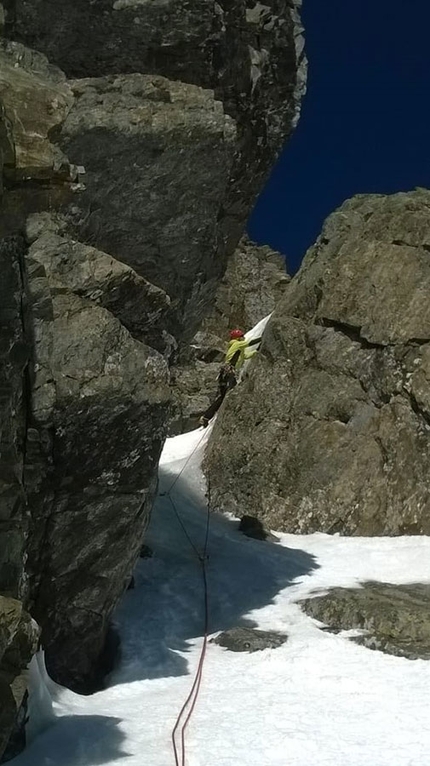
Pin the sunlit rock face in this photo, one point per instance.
(330, 431)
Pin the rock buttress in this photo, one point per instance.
(330, 431)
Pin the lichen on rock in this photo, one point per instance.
(391, 618)
(330, 430)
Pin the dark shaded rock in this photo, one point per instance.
(140, 306)
(194, 387)
(157, 156)
(330, 429)
(17, 740)
(99, 407)
(249, 54)
(14, 354)
(252, 527)
(19, 636)
(146, 552)
(249, 639)
(395, 618)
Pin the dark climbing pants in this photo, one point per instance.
(226, 381)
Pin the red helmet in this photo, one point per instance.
(236, 334)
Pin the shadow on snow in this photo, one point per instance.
(76, 740)
(165, 611)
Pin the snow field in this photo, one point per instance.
(319, 700)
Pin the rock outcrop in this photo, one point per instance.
(18, 641)
(204, 152)
(395, 619)
(140, 306)
(35, 100)
(331, 429)
(14, 354)
(249, 639)
(98, 417)
(158, 156)
(254, 281)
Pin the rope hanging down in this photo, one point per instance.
(195, 689)
(191, 700)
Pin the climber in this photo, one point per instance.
(238, 352)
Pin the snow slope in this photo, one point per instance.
(318, 700)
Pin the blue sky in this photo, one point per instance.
(365, 124)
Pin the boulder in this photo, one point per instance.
(249, 639)
(19, 636)
(395, 619)
(252, 527)
(96, 429)
(330, 429)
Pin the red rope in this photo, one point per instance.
(195, 689)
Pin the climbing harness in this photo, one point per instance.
(190, 703)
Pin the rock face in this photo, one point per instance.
(253, 283)
(331, 429)
(140, 306)
(203, 154)
(148, 198)
(194, 388)
(18, 641)
(126, 178)
(99, 407)
(13, 406)
(35, 100)
(395, 618)
(249, 639)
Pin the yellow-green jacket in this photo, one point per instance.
(238, 352)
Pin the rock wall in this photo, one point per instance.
(331, 430)
(393, 618)
(18, 641)
(14, 354)
(254, 281)
(178, 211)
(98, 422)
(126, 177)
(147, 197)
